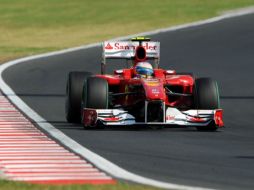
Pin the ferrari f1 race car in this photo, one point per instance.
(141, 93)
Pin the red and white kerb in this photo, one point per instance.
(27, 154)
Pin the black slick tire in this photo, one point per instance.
(206, 97)
(74, 89)
(95, 94)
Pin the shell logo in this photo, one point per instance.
(152, 83)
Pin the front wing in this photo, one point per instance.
(172, 116)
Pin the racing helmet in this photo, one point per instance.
(143, 69)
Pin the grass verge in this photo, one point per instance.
(34, 26)
(10, 185)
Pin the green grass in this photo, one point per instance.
(10, 185)
(34, 26)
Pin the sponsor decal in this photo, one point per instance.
(112, 119)
(196, 119)
(155, 91)
(170, 118)
(152, 83)
(124, 46)
(108, 47)
(126, 49)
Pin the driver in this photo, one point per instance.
(143, 70)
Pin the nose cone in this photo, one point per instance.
(154, 89)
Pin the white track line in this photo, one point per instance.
(97, 160)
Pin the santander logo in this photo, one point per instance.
(125, 46)
(108, 46)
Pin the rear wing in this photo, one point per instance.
(127, 50)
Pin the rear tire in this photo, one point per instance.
(206, 97)
(74, 90)
(95, 94)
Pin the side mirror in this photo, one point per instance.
(126, 73)
(118, 72)
(170, 72)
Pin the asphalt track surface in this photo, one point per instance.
(225, 159)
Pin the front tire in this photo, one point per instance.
(95, 94)
(74, 90)
(206, 97)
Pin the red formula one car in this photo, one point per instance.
(141, 93)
